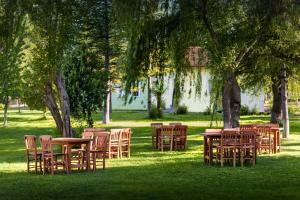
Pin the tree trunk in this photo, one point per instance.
(5, 121)
(175, 94)
(106, 114)
(52, 106)
(159, 104)
(65, 105)
(277, 101)
(19, 106)
(149, 102)
(231, 102)
(285, 114)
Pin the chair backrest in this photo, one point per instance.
(125, 134)
(264, 130)
(155, 125)
(93, 129)
(114, 135)
(180, 130)
(100, 141)
(45, 141)
(272, 125)
(229, 137)
(87, 135)
(175, 123)
(249, 127)
(30, 143)
(248, 137)
(166, 130)
(210, 130)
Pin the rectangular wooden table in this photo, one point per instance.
(208, 145)
(68, 143)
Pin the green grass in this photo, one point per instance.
(149, 174)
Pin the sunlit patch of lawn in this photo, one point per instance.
(149, 174)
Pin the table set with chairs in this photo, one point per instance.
(172, 136)
(95, 145)
(240, 144)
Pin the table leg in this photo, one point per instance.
(68, 159)
(88, 156)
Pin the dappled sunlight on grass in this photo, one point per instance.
(150, 173)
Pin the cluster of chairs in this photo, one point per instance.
(104, 144)
(172, 136)
(243, 143)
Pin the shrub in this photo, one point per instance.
(1, 106)
(181, 110)
(153, 114)
(207, 111)
(254, 111)
(244, 110)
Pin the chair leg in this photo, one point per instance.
(35, 162)
(28, 164)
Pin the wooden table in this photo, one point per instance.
(68, 143)
(208, 145)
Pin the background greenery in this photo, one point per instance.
(149, 174)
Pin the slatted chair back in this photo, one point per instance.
(264, 130)
(166, 136)
(272, 125)
(115, 135)
(213, 130)
(125, 135)
(229, 138)
(87, 135)
(45, 141)
(156, 125)
(93, 129)
(248, 138)
(180, 130)
(101, 140)
(30, 144)
(249, 127)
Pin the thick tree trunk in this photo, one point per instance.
(285, 114)
(52, 106)
(231, 101)
(149, 102)
(277, 101)
(5, 117)
(175, 94)
(65, 105)
(106, 111)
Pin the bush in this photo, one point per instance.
(244, 110)
(1, 106)
(181, 110)
(153, 114)
(207, 111)
(254, 111)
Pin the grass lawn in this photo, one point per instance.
(149, 174)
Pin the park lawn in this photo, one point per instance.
(149, 174)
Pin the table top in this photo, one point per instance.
(69, 140)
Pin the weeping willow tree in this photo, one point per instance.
(158, 40)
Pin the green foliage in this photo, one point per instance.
(244, 110)
(153, 114)
(85, 81)
(181, 110)
(207, 111)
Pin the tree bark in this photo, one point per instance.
(159, 104)
(52, 106)
(65, 105)
(277, 101)
(149, 102)
(231, 101)
(5, 117)
(106, 111)
(284, 95)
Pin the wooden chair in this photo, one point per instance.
(125, 138)
(93, 129)
(248, 127)
(266, 140)
(165, 137)
(229, 145)
(113, 143)
(32, 153)
(99, 149)
(50, 159)
(154, 126)
(179, 136)
(248, 146)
